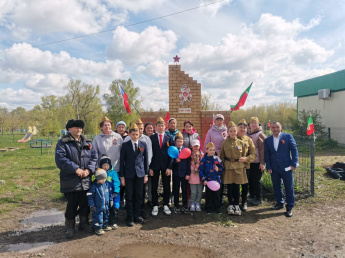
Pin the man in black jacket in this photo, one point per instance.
(77, 161)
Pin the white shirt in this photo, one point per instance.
(134, 145)
(276, 141)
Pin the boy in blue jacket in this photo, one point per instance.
(181, 174)
(210, 169)
(114, 180)
(100, 199)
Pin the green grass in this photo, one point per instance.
(29, 177)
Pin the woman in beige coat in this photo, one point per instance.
(232, 154)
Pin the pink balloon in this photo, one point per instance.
(213, 185)
(185, 153)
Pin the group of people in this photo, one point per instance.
(120, 168)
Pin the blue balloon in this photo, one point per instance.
(173, 152)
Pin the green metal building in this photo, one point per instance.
(327, 94)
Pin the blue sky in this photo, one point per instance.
(225, 46)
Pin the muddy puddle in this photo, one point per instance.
(27, 247)
(39, 220)
(161, 250)
(34, 222)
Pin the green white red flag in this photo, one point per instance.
(310, 128)
(242, 99)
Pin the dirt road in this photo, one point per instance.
(315, 230)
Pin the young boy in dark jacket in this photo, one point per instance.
(100, 198)
(181, 174)
(210, 169)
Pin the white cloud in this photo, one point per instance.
(134, 48)
(46, 73)
(211, 7)
(135, 5)
(268, 53)
(45, 17)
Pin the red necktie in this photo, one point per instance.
(160, 140)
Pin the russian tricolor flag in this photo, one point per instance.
(125, 99)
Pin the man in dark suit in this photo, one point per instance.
(161, 163)
(281, 157)
(134, 174)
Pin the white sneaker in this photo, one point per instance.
(114, 226)
(237, 210)
(166, 210)
(231, 210)
(155, 211)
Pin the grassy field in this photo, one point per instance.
(32, 179)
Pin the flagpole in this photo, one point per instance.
(133, 105)
(130, 100)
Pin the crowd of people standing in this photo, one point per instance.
(123, 169)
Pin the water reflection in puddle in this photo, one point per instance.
(28, 247)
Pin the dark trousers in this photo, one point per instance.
(177, 183)
(212, 200)
(255, 185)
(233, 194)
(122, 193)
(134, 191)
(287, 178)
(76, 204)
(144, 194)
(113, 216)
(245, 188)
(166, 187)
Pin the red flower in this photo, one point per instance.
(216, 162)
(283, 142)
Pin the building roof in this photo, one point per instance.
(333, 81)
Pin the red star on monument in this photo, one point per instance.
(176, 59)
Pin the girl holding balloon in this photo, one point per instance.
(210, 170)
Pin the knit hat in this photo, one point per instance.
(231, 124)
(121, 123)
(218, 116)
(178, 136)
(75, 123)
(210, 145)
(242, 122)
(100, 174)
(195, 143)
(105, 160)
(160, 121)
(254, 119)
(138, 121)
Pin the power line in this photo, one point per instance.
(104, 31)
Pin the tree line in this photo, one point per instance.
(83, 101)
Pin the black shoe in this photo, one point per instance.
(278, 206)
(256, 202)
(219, 211)
(130, 222)
(144, 214)
(288, 213)
(139, 220)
